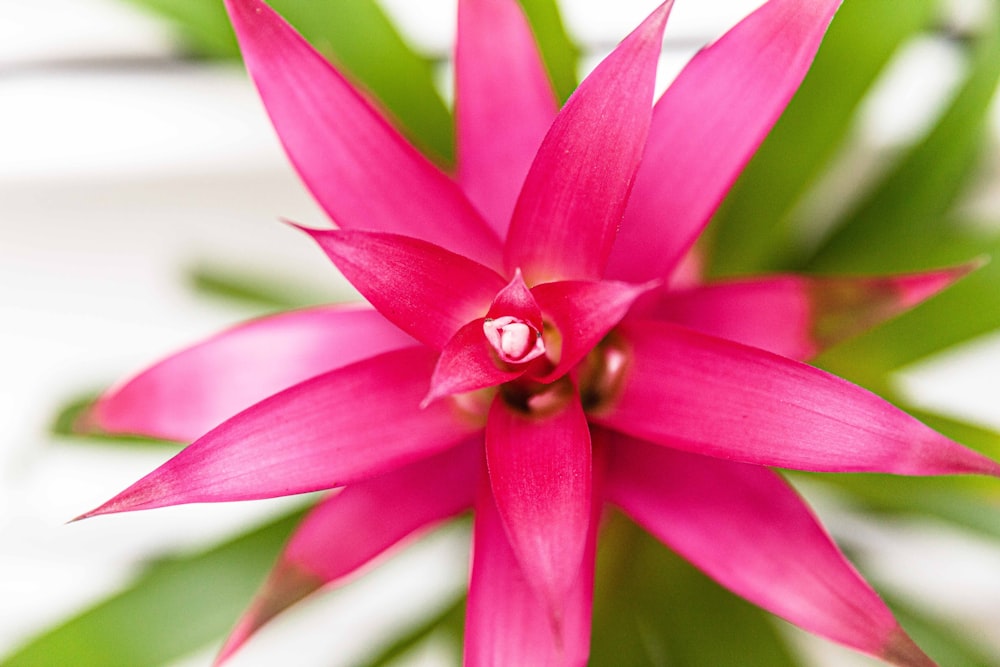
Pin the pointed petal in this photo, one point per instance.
(800, 316)
(540, 473)
(363, 173)
(516, 300)
(187, 394)
(498, 135)
(349, 529)
(706, 127)
(710, 396)
(583, 312)
(575, 194)
(425, 290)
(334, 429)
(506, 623)
(468, 363)
(747, 529)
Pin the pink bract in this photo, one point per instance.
(522, 358)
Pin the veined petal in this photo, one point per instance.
(334, 429)
(747, 529)
(425, 290)
(706, 127)
(187, 394)
(349, 529)
(800, 316)
(539, 463)
(498, 135)
(362, 172)
(468, 363)
(506, 622)
(574, 197)
(583, 312)
(715, 397)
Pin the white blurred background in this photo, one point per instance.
(123, 166)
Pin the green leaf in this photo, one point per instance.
(204, 26)
(957, 501)
(447, 624)
(917, 195)
(653, 608)
(753, 229)
(969, 308)
(558, 50)
(69, 417)
(264, 292)
(176, 607)
(946, 644)
(355, 34)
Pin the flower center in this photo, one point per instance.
(514, 340)
(538, 400)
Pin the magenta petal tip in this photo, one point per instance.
(286, 586)
(902, 651)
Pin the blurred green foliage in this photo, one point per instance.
(176, 607)
(358, 36)
(362, 41)
(753, 230)
(652, 607)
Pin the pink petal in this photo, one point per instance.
(746, 528)
(185, 395)
(506, 623)
(423, 289)
(540, 470)
(799, 316)
(575, 194)
(516, 300)
(334, 429)
(583, 312)
(498, 134)
(710, 396)
(363, 173)
(348, 530)
(513, 325)
(707, 126)
(467, 363)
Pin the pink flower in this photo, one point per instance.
(527, 359)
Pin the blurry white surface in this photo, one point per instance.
(34, 31)
(112, 183)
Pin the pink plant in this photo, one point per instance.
(528, 360)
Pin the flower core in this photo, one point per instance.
(514, 340)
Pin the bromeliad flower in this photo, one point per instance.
(527, 359)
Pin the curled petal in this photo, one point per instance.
(506, 623)
(706, 127)
(540, 472)
(468, 363)
(498, 135)
(186, 394)
(363, 173)
(513, 324)
(800, 316)
(710, 396)
(574, 196)
(423, 289)
(349, 529)
(583, 313)
(335, 429)
(745, 527)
